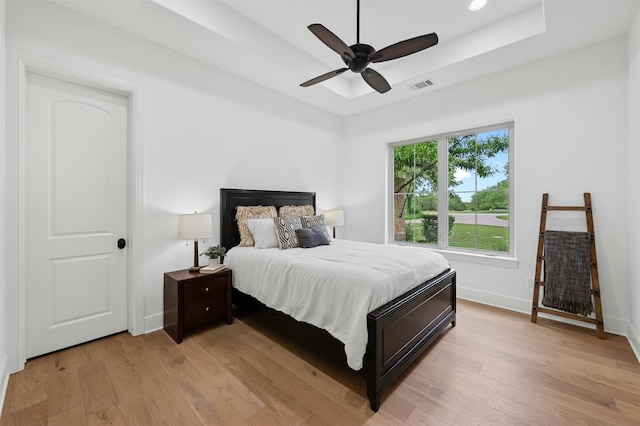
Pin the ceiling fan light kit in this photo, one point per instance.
(357, 57)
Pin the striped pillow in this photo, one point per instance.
(286, 232)
(313, 221)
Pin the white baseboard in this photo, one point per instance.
(4, 381)
(611, 325)
(493, 299)
(634, 340)
(153, 323)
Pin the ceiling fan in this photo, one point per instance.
(358, 56)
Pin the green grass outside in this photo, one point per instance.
(490, 238)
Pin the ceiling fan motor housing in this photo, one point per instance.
(362, 52)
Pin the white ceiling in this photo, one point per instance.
(267, 41)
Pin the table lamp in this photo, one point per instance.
(194, 227)
(334, 218)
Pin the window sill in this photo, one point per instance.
(465, 256)
(485, 259)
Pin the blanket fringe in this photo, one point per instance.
(569, 306)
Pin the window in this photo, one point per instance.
(454, 191)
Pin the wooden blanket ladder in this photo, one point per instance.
(595, 283)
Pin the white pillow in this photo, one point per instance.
(263, 231)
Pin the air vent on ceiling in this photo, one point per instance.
(421, 85)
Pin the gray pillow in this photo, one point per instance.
(318, 220)
(312, 237)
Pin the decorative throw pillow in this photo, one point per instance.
(313, 221)
(243, 213)
(263, 232)
(286, 231)
(293, 211)
(312, 237)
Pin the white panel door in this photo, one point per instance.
(77, 140)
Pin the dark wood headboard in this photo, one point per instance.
(230, 199)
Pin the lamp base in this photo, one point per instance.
(195, 267)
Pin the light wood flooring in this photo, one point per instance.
(494, 368)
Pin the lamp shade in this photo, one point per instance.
(334, 217)
(194, 226)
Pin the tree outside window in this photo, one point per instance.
(473, 212)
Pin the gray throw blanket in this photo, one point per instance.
(567, 272)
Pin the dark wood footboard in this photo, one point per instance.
(402, 329)
(399, 331)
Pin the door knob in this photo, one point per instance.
(121, 243)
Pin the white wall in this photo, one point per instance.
(3, 278)
(634, 180)
(202, 129)
(570, 115)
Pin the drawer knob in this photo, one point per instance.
(206, 289)
(206, 309)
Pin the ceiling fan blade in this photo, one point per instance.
(332, 40)
(323, 77)
(404, 48)
(375, 80)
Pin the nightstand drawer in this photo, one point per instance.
(205, 311)
(205, 289)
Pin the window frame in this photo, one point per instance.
(443, 194)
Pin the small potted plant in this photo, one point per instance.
(214, 253)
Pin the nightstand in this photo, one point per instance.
(193, 301)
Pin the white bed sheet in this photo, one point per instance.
(333, 287)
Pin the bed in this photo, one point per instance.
(396, 332)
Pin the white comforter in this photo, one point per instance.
(333, 287)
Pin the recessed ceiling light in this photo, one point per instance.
(477, 5)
